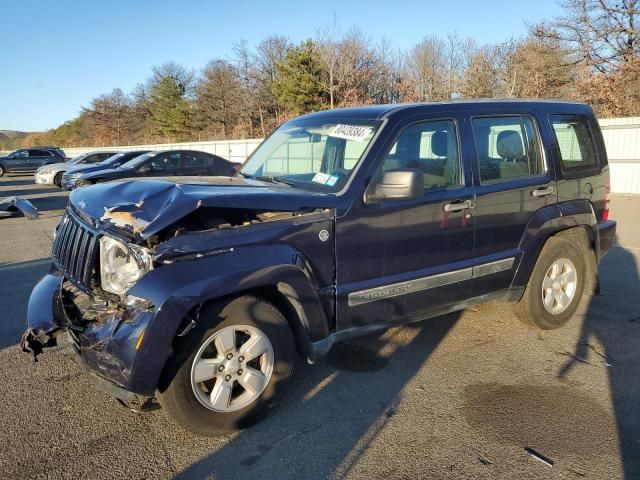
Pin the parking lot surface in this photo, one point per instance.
(464, 395)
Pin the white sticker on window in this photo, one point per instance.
(320, 178)
(350, 132)
(333, 179)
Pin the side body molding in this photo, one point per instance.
(548, 221)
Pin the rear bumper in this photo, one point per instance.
(607, 235)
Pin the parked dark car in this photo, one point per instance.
(71, 177)
(166, 163)
(52, 174)
(28, 160)
(206, 291)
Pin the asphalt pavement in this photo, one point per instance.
(469, 395)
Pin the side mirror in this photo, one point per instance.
(405, 184)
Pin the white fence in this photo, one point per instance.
(621, 136)
(234, 150)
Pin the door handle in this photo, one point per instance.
(458, 206)
(542, 192)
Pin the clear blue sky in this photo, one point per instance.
(55, 56)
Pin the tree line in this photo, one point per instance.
(591, 53)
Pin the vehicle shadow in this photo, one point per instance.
(27, 191)
(335, 409)
(16, 282)
(609, 339)
(16, 183)
(52, 202)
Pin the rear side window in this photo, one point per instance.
(577, 151)
(507, 147)
(38, 153)
(432, 148)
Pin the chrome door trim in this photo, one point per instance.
(426, 283)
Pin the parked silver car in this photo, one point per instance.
(52, 174)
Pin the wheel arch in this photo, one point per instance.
(565, 220)
(288, 287)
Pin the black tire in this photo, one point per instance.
(530, 309)
(175, 392)
(57, 180)
(2, 171)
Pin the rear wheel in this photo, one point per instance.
(228, 371)
(2, 170)
(556, 285)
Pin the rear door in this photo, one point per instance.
(37, 158)
(513, 179)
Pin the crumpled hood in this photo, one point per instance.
(150, 205)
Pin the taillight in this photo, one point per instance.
(607, 199)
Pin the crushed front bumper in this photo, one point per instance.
(108, 344)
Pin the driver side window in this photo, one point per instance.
(160, 163)
(430, 147)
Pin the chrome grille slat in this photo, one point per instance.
(74, 250)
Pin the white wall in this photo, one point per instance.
(621, 136)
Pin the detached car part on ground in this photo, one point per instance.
(16, 206)
(52, 174)
(205, 290)
(71, 177)
(166, 163)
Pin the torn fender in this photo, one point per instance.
(16, 206)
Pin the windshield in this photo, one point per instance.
(79, 158)
(311, 153)
(136, 162)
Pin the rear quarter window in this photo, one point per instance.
(575, 142)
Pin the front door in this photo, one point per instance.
(404, 258)
(18, 162)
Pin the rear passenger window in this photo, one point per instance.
(507, 148)
(577, 150)
(431, 147)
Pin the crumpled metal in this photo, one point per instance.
(16, 206)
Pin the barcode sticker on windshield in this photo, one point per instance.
(350, 132)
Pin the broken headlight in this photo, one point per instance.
(121, 265)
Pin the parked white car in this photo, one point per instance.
(52, 174)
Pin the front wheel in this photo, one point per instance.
(2, 171)
(228, 371)
(556, 285)
(57, 180)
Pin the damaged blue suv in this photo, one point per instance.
(205, 291)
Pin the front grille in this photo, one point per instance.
(75, 249)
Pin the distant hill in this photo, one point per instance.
(12, 134)
(11, 139)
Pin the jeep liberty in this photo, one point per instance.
(205, 291)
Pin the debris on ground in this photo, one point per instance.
(575, 357)
(16, 206)
(484, 460)
(538, 456)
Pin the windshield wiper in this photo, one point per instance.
(276, 179)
